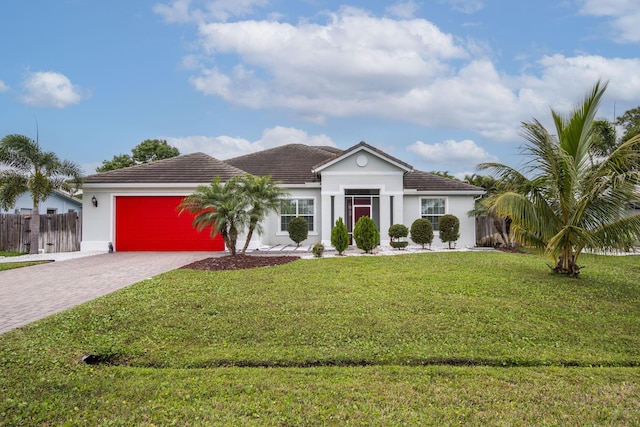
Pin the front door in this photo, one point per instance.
(357, 207)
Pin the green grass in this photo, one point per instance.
(12, 265)
(426, 339)
(20, 264)
(11, 253)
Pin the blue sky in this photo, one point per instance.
(440, 84)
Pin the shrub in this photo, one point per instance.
(422, 232)
(366, 234)
(318, 250)
(340, 236)
(298, 230)
(399, 245)
(449, 228)
(398, 231)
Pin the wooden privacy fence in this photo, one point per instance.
(58, 233)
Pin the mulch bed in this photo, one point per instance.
(240, 262)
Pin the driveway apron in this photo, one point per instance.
(32, 293)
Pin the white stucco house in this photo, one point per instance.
(135, 207)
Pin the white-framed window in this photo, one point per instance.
(52, 211)
(432, 208)
(291, 208)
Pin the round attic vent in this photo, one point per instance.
(362, 160)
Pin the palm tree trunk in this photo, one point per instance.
(249, 236)
(34, 226)
(233, 238)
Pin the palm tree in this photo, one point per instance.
(220, 206)
(561, 202)
(29, 169)
(262, 196)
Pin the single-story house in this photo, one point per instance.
(58, 202)
(135, 208)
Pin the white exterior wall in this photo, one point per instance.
(455, 205)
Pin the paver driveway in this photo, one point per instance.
(31, 293)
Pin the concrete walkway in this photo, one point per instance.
(32, 293)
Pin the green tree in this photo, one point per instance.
(298, 230)
(562, 203)
(604, 139)
(262, 196)
(149, 150)
(630, 121)
(366, 234)
(449, 229)
(29, 169)
(220, 206)
(444, 174)
(422, 232)
(340, 236)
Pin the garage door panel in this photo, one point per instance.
(152, 223)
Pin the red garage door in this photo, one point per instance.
(151, 223)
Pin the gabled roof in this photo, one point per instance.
(197, 168)
(291, 164)
(359, 147)
(424, 181)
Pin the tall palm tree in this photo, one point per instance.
(220, 206)
(29, 169)
(262, 196)
(563, 203)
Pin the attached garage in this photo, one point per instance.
(152, 223)
(134, 208)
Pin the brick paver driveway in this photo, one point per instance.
(31, 293)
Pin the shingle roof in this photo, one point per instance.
(424, 181)
(189, 168)
(291, 164)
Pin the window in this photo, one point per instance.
(433, 209)
(292, 208)
(52, 211)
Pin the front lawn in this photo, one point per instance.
(435, 338)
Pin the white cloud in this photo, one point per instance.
(465, 6)
(178, 11)
(51, 89)
(405, 10)
(226, 147)
(337, 69)
(3, 87)
(449, 152)
(624, 16)
(408, 70)
(182, 11)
